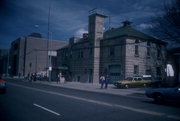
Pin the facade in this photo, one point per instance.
(3, 62)
(31, 54)
(119, 52)
(127, 52)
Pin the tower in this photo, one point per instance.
(96, 29)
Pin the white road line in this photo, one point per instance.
(101, 102)
(46, 109)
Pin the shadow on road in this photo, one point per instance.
(170, 104)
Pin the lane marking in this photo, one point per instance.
(46, 109)
(101, 102)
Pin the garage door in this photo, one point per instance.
(114, 72)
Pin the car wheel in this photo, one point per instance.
(118, 86)
(126, 86)
(158, 98)
(5, 90)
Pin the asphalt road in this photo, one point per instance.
(26, 101)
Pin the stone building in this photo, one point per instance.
(119, 52)
(31, 54)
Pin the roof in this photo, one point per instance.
(128, 31)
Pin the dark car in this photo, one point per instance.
(164, 94)
(2, 85)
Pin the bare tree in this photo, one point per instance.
(166, 26)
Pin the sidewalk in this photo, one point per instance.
(140, 92)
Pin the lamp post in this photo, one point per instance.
(8, 67)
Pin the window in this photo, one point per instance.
(64, 54)
(148, 49)
(158, 51)
(90, 51)
(111, 51)
(71, 53)
(80, 54)
(85, 71)
(148, 72)
(136, 69)
(136, 48)
(78, 78)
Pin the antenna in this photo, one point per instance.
(94, 10)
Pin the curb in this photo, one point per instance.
(133, 93)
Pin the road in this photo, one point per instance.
(26, 101)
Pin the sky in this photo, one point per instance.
(68, 18)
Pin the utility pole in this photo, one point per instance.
(7, 71)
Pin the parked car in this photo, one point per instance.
(132, 82)
(2, 85)
(164, 94)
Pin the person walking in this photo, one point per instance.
(106, 81)
(59, 78)
(102, 81)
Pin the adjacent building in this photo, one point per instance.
(32, 54)
(119, 52)
(3, 62)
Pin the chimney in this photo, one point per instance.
(85, 35)
(73, 40)
(127, 23)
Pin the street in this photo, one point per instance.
(26, 101)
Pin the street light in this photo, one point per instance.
(8, 66)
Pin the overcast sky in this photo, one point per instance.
(69, 17)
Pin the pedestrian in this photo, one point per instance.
(31, 77)
(106, 81)
(59, 78)
(102, 80)
(35, 76)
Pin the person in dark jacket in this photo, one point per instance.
(106, 81)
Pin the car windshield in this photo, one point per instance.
(129, 79)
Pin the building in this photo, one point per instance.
(32, 54)
(3, 62)
(119, 52)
